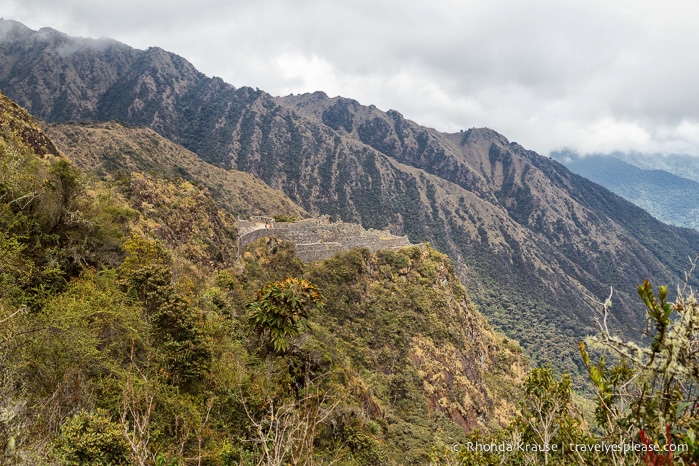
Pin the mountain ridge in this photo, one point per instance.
(113, 148)
(531, 240)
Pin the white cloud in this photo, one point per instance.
(586, 74)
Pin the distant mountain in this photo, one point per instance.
(533, 241)
(669, 198)
(682, 165)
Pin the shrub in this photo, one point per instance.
(91, 438)
(649, 396)
(281, 308)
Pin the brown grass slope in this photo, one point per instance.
(114, 148)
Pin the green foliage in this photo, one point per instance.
(170, 362)
(541, 433)
(281, 309)
(90, 328)
(146, 271)
(549, 416)
(658, 313)
(166, 460)
(608, 383)
(91, 438)
(284, 218)
(363, 447)
(48, 206)
(15, 269)
(269, 259)
(405, 322)
(649, 396)
(175, 328)
(646, 398)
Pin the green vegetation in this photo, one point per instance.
(91, 438)
(281, 309)
(285, 218)
(129, 336)
(651, 395)
(132, 332)
(646, 401)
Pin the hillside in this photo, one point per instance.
(533, 242)
(668, 197)
(114, 148)
(127, 335)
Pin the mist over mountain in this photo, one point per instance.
(533, 241)
(668, 197)
(682, 165)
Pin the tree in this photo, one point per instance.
(651, 395)
(547, 409)
(91, 438)
(287, 430)
(175, 327)
(281, 308)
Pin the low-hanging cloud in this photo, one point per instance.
(593, 76)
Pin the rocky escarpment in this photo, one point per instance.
(318, 238)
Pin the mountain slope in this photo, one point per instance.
(670, 198)
(116, 148)
(682, 165)
(124, 317)
(532, 240)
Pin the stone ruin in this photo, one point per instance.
(318, 238)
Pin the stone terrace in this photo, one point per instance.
(318, 238)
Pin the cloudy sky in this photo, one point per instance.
(588, 75)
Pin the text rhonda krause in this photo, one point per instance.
(623, 448)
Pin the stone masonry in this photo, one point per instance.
(318, 238)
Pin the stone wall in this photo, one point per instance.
(319, 238)
(255, 223)
(310, 252)
(246, 238)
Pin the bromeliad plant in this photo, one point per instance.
(281, 309)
